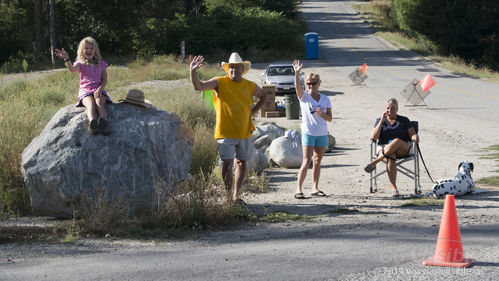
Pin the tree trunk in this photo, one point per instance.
(52, 30)
(38, 24)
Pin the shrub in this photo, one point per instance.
(465, 28)
(204, 154)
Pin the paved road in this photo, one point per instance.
(364, 246)
(346, 42)
(288, 252)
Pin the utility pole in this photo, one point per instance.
(38, 24)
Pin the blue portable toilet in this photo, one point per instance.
(311, 45)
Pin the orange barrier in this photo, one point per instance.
(363, 68)
(427, 82)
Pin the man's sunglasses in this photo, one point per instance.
(311, 83)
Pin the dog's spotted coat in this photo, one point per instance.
(461, 184)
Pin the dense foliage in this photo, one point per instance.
(144, 28)
(463, 28)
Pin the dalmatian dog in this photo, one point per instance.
(461, 184)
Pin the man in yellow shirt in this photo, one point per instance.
(234, 97)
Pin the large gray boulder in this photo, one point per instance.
(261, 139)
(271, 130)
(147, 150)
(264, 134)
(258, 162)
(332, 143)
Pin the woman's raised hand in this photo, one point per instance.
(297, 67)
(383, 117)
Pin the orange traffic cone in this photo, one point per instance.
(449, 250)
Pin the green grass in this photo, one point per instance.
(343, 211)
(29, 234)
(377, 14)
(419, 202)
(492, 153)
(403, 41)
(257, 183)
(276, 217)
(492, 180)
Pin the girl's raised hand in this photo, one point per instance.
(61, 53)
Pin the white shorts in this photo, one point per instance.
(380, 146)
(228, 148)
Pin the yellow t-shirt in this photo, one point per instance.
(233, 108)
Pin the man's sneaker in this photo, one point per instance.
(93, 126)
(104, 127)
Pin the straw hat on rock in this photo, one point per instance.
(137, 98)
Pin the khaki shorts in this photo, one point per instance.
(228, 148)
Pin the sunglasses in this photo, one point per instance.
(311, 83)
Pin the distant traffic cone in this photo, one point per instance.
(449, 250)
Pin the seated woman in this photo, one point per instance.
(393, 132)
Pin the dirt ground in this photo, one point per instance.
(445, 141)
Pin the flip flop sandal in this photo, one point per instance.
(395, 193)
(299, 196)
(368, 168)
(318, 193)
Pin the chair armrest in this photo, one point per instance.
(372, 145)
(414, 146)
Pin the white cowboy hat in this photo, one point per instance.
(235, 58)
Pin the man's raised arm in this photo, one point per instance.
(197, 62)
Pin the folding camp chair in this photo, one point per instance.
(411, 172)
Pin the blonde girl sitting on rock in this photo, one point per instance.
(93, 79)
